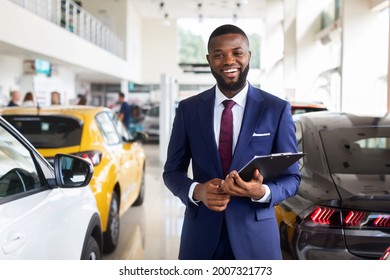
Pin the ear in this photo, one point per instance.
(208, 58)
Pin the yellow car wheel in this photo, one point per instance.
(111, 236)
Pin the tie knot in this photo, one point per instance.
(228, 103)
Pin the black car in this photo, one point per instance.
(342, 208)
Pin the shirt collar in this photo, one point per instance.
(239, 98)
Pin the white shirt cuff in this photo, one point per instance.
(191, 193)
(267, 196)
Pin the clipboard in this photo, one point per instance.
(270, 166)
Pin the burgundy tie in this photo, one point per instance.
(225, 147)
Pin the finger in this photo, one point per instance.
(218, 204)
(257, 175)
(238, 180)
(217, 208)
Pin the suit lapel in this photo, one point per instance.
(252, 115)
(206, 117)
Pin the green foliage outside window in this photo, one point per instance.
(193, 48)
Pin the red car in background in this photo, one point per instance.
(306, 107)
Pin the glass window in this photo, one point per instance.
(107, 127)
(364, 150)
(48, 131)
(18, 173)
(120, 127)
(154, 111)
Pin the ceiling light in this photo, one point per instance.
(167, 22)
(200, 18)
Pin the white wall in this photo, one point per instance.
(313, 58)
(12, 76)
(272, 51)
(290, 51)
(364, 58)
(359, 49)
(111, 13)
(11, 69)
(134, 48)
(159, 50)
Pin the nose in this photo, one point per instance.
(229, 59)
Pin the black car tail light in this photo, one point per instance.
(325, 216)
(351, 219)
(94, 156)
(366, 220)
(354, 218)
(386, 255)
(382, 221)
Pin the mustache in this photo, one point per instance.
(234, 86)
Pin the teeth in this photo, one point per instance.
(230, 70)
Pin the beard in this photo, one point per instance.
(231, 86)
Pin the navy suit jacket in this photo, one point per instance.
(267, 128)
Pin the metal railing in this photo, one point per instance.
(70, 16)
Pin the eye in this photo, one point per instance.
(238, 53)
(217, 55)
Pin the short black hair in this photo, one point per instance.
(121, 94)
(226, 29)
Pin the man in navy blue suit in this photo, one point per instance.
(226, 217)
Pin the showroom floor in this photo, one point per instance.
(151, 231)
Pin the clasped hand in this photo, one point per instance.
(216, 193)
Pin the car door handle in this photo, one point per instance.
(16, 241)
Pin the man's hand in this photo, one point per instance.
(211, 194)
(235, 186)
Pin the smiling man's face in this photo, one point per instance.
(229, 58)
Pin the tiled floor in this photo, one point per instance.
(151, 231)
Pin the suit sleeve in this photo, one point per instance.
(178, 159)
(286, 184)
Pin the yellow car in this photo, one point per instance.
(94, 133)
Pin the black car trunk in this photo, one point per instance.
(365, 204)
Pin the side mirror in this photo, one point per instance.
(72, 171)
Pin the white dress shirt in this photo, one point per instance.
(237, 109)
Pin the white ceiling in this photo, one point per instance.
(193, 8)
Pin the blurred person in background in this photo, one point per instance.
(28, 100)
(55, 98)
(82, 100)
(125, 110)
(15, 98)
(136, 119)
